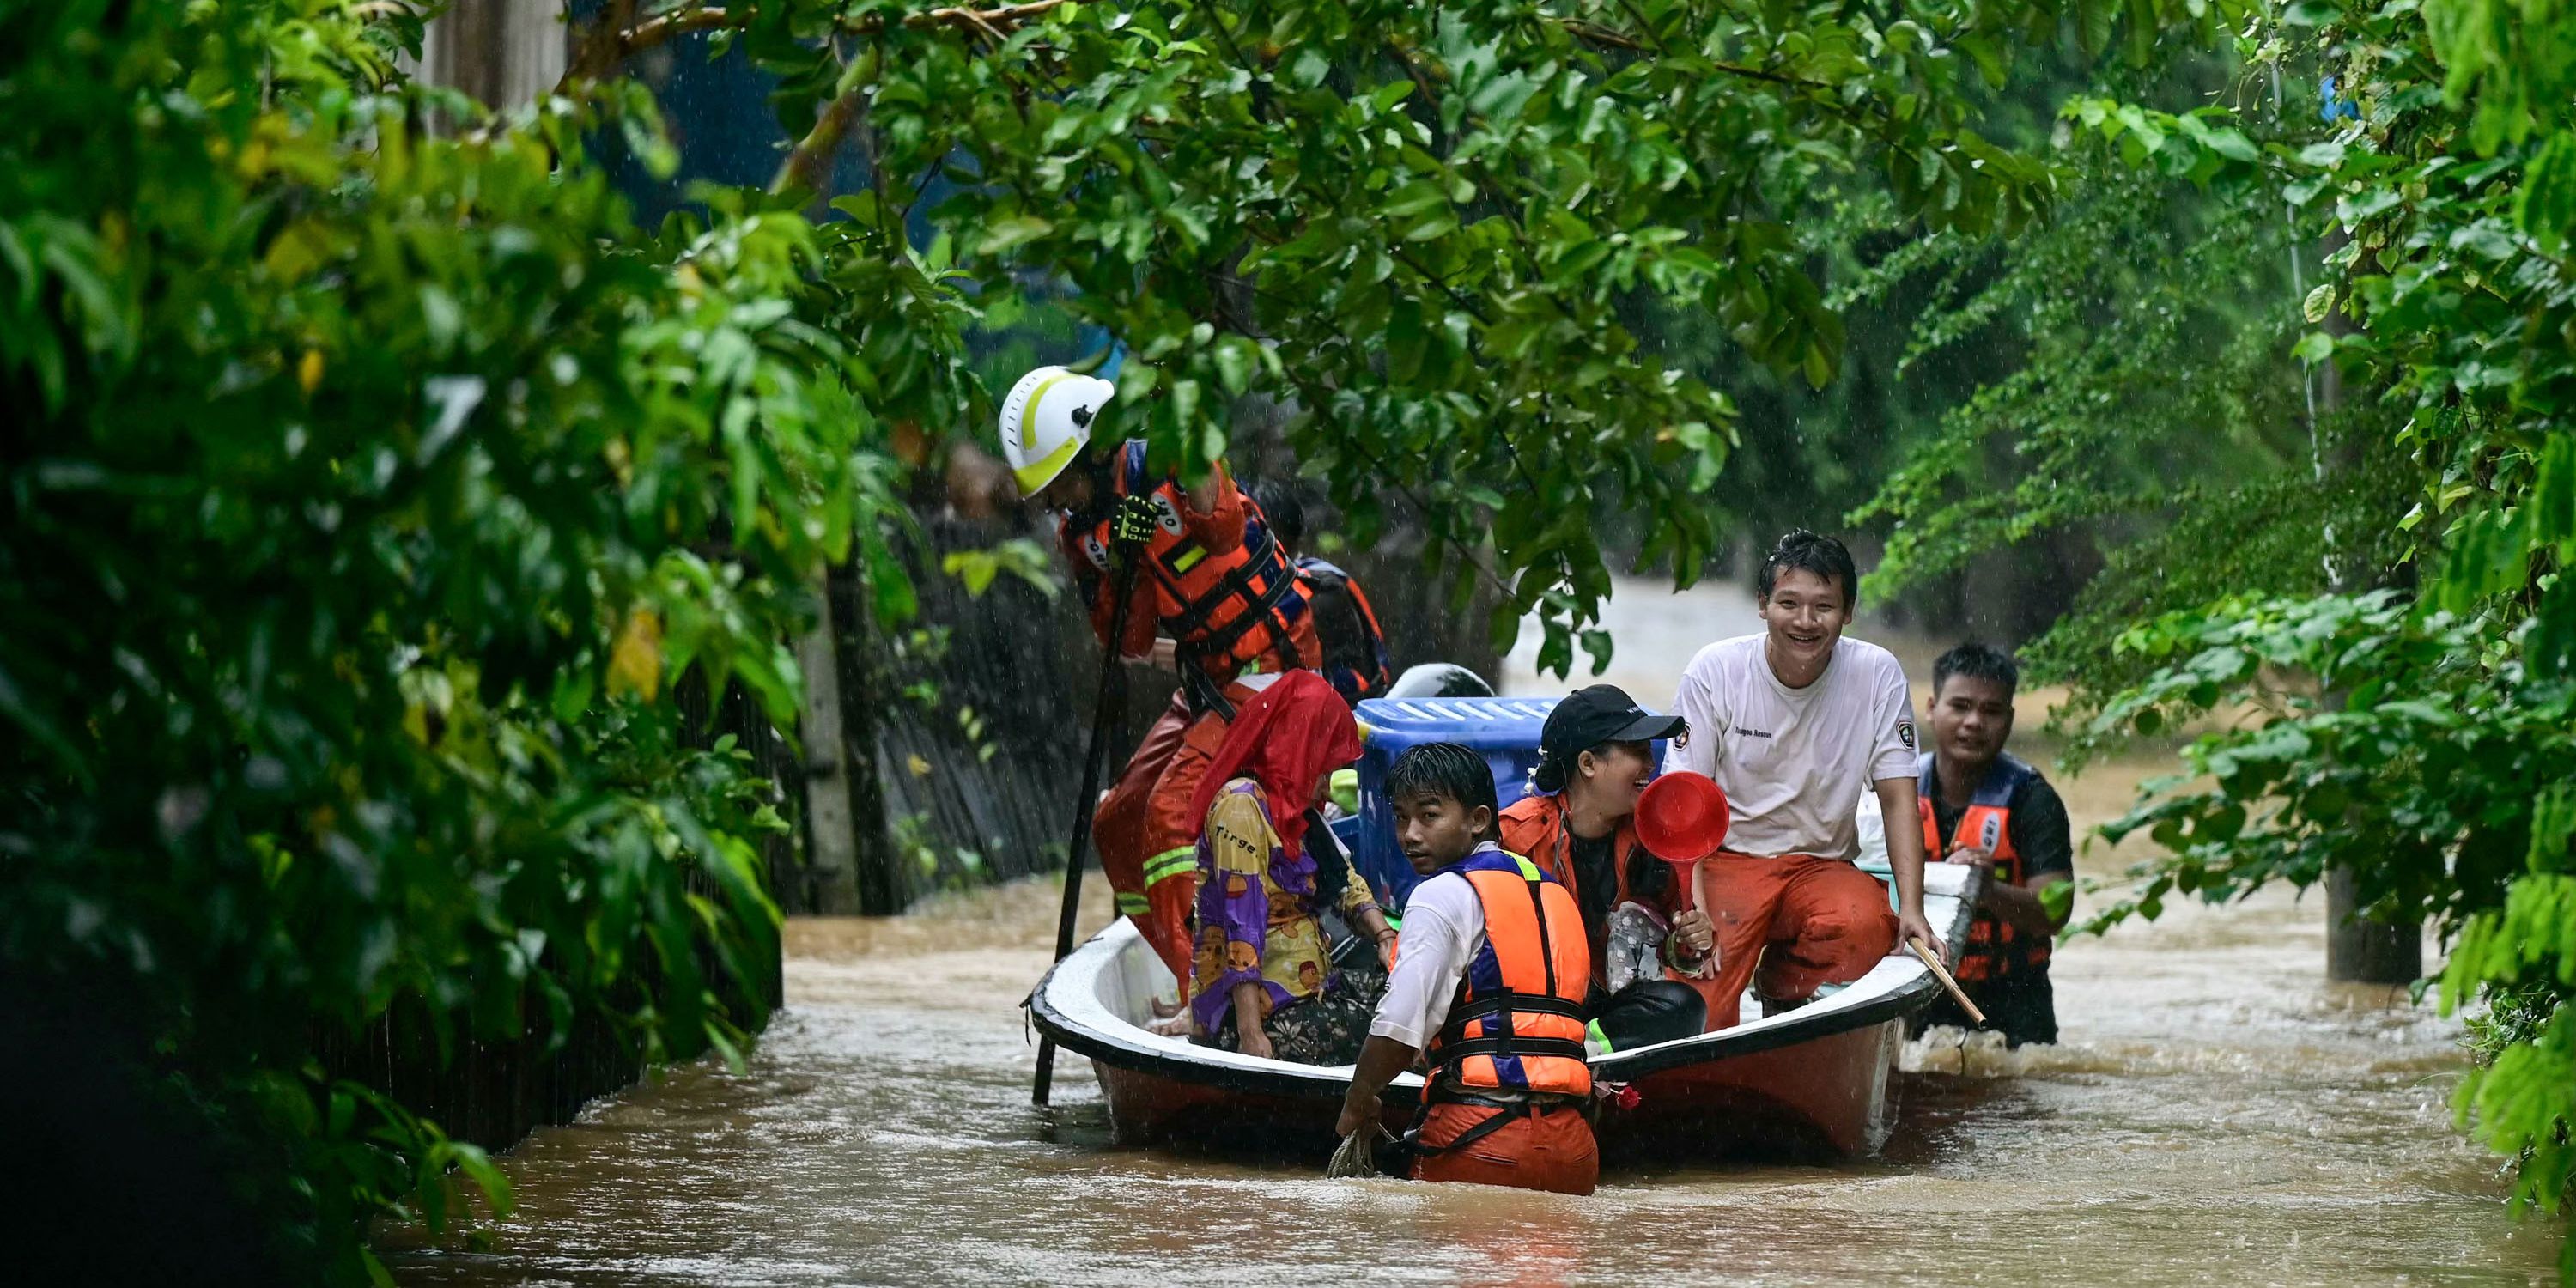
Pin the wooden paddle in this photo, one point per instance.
(1942, 973)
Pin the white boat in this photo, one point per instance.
(1814, 1082)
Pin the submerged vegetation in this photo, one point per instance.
(380, 498)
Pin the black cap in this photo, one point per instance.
(1587, 718)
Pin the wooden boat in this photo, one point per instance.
(1813, 1083)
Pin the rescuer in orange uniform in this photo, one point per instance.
(1491, 972)
(1212, 579)
(1982, 806)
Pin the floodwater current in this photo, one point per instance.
(2217, 1113)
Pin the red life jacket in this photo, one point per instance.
(1238, 609)
(1995, 946)
(1516, 1023)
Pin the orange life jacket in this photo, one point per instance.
(1994, 945)
(1231, 610)
(1516, 1023)
(1535, 825)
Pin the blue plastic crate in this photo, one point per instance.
(1504, 730)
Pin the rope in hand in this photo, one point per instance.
(1357, 1155)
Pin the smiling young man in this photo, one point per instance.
(1982, 806)
(1792, 723)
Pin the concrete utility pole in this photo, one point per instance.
(2357, 951)
(831, 830)
(503, 52)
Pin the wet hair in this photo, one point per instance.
(1279, 504)
(1824, 556)
(1443, 769)
(1977, 662)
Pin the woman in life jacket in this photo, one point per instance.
(1262, 976)
(1579, 824)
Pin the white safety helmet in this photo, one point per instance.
(1046, 420)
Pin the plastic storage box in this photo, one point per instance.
(1504, 730)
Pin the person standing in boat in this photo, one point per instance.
(1490, 976)
(1346, 627)
(1263, 981)
(1596, 755)
(1981, 805)
(1791, 722)
(1212, 580)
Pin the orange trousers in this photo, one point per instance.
(1806, 921)
(1148, 843)
(1551, 1151)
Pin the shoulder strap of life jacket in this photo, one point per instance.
(2003, 778)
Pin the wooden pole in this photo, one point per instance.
(1942, 973)
(831, 827)
(1104, 716)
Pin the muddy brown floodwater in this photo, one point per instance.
(2217, 1114)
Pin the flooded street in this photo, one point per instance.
(2217, 1114)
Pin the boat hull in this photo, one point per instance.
(1828, 1097)
(1822, 1099)
(1815, 1083)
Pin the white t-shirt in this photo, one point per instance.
(1444, 926)
(1791, 760)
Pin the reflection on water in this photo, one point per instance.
(2216, 1112)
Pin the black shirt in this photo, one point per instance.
(2022, 1003)
(1596, 883)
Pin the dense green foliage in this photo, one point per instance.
(2402, 701)
(372, 492)
(367, 497)
(1431, 227)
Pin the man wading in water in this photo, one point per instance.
(1491, 972)
(1789, 722)
(1984, 807)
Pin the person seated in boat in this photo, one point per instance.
(1981, 805)
(1488, 987)
(1262, 980)
(1596, 754)
(1791, 722)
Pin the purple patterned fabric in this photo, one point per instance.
(1256, 911)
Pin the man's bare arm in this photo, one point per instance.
(1380, 1060)
(1904, 823)
(2025, 905)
